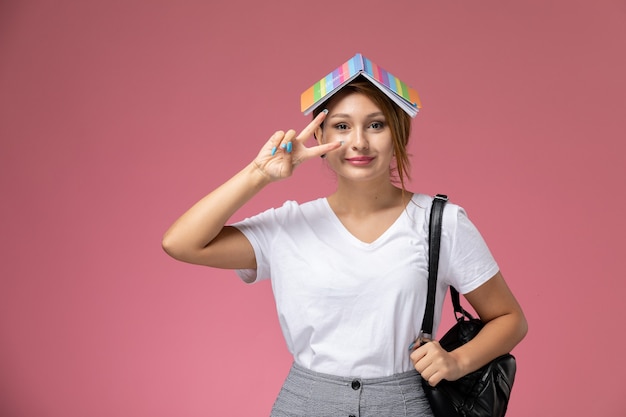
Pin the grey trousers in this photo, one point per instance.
(310, 394)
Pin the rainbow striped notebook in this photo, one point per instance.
(403, 95)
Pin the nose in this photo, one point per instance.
(359, 140)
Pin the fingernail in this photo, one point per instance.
(341, 143)
(325, 111)
(284, 145)
(411, 346)
(274, 151)
(289, 147)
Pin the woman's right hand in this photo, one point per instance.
(200, 236)
(285, 150)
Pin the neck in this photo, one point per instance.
(367, 197)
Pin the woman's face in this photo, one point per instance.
(367, 149)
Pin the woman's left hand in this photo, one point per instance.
(435, 364)
(505, 326)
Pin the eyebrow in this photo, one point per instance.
(346, 115)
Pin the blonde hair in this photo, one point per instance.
(398, 120)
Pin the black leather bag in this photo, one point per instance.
(482, 393)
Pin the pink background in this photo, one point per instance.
(115, 116)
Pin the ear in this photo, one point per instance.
(317, 134)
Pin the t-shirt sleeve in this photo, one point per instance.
(256, 230)
(469, 261)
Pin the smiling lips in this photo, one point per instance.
(360, 160)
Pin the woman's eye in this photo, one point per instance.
(341, 126)
(377, 125)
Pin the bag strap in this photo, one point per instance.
(459, 312)
(434, 243)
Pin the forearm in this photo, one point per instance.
(498, 337)
(199, 235)
(196, 228)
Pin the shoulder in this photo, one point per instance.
(308, 205)
(290, 210)
(423, 203)
(455, 223)
(291, 207)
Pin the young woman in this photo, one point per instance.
(349, 271)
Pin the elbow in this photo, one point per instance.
(167, 245)
(519, 327)
(523, 327)
(171, 247)
(182, 250)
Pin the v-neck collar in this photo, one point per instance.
(376, 242)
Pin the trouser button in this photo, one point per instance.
(356, 384)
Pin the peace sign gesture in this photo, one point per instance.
(285, 150)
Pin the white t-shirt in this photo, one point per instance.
(350, 308)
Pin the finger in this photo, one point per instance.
(289, 137)
(324, 149)
(425, 357)
(275, 141)
(277, 137)
(421, 350)
(420, 365)
(433, 379)
(428, 370)
(415, 356)
(286, 144)
(308, 131)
